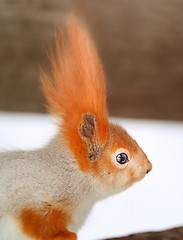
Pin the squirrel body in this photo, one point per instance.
(46, 194)
(44, 186)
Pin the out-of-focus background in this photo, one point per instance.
(141, 46)
(140, 43)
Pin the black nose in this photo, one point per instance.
(149, 167)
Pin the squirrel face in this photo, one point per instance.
(125, 161)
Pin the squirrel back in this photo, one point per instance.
(49, 192)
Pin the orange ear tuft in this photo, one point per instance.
(77, 86)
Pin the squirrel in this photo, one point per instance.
(47, 193)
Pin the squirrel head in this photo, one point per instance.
(76, 93)
(119, 161)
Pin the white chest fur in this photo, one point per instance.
(9, 230)
(80, 214)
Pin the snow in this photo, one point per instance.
(156, 203)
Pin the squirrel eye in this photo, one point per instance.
(122, 158)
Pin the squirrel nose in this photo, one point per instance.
(149, 168)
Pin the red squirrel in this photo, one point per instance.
(46, 194)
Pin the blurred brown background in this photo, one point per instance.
(140, 42)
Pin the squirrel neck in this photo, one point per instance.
(77, 191)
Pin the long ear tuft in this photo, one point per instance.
(76, 87)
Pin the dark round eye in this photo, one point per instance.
(122, 158)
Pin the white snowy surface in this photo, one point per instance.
(155, 203)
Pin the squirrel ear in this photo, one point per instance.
(88, 126)
(88, 132)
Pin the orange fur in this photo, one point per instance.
(76, 87)
(47, 225)
(118, 138)
(122, 139)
